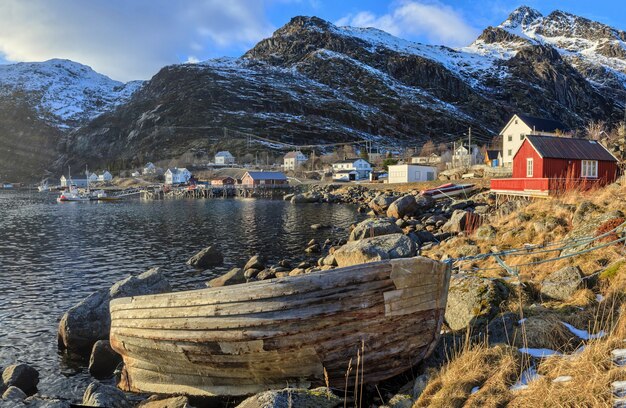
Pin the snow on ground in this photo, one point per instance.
(539, 352)
(584, 334)
(527, 376)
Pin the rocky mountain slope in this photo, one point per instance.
(313, 82)
(39, 101)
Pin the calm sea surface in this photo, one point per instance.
(53, 255)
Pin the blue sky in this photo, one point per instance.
(132, 39)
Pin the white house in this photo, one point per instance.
(409, 173)
(461, 156)
(361, 168)
(520, 126)
(293, 160)
(430, 159)
(224, 158)
(93, 178)
(149, 168)
(80, 183)
(177, 176)
(106, 177)
(135, 174)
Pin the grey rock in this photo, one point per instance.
(562, 284)
(461, 204)
(486, 231)
(14, 393)
(21, 376)
(232, 277)
(473, 301)
(256, 262)
(381, 203)
(266, 274)
(103, 360)
(102, 395)
(291, 397)
(583, 212)
(251, 273)
(588, 228)
(456, 222)
(405, 205)
(90, 320)
(171, 402)
(209, 256)
(373, 228)
(375, 249)
(419, 385)
(502, 328)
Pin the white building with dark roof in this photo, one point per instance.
(293, 160)
(520, 126)
(361, 168)
(177, 176)
(224, 158)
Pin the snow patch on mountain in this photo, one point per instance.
(64, 92)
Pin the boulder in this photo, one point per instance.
(251, 273)
(405, 205)
(288, 197)
(90, 320)
(588, 227)
(104, 360)
(375, 249)
(101, 395)
(473, 301)
(292, 397)
(562, 284)
(399, 401)
(583, 212)
(381, 203)
(266, 274)
(486, 231)
(502, 328)
(320, 226)
(21, 376)
(256, 262)
(14, 394)
(157, 401)
(423, 237)
(298, 198)
(232, 277)
(456, 223)
(209, 256)
(373, 228)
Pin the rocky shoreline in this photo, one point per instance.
(400, 225)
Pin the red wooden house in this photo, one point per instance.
(264, 178)
(547, 165)
(223, 181)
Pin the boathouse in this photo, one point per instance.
(264, 178)
(547, 165)
(223, 181)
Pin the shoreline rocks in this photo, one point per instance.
(22, 376)
(103, 360)
(390, 246)
(209, 256)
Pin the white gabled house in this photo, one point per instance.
(149, 168)
(293, 160)
(177, 176)
(464, 156)
(520, 126)
(105, 177)
(352, 169)
(224, 158)
(409, 173)
(78, 182)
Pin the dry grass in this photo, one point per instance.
(493, 369)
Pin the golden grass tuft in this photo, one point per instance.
(493, 369)
(546, 331)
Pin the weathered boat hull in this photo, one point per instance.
(293, 331)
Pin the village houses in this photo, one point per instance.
(224, 158)
(432, 159)
(409, 173)
(264, 178)
(520, 126)
(177, 176)
(149, 168)
(461, 156)
(293, 160)
(105, 177)
(351, 170)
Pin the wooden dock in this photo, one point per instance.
(241, 191)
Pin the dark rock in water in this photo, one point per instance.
(90, 320)
(562, 284)
(104, 360)
(14, 394)
(375, 249)
(21, 376)
(265, 274)
(284, 263)
(232, 277)
(256, 262)
(291, 397)
(373, 228)
(473, 301)
(209, 256)
(320, 226)
(157, 401)
(101, 395)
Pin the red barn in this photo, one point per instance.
(264, 178)
(546, 165)
(223, 181)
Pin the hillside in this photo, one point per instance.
(314, 82)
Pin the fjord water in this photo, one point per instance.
(53, 255)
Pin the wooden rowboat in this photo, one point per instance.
(247, 338)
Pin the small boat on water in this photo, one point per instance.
(295, 331)
(43, 187)
(7, 186)
(72, 195)
(102, 195)
(447, 190)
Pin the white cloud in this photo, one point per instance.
(433, 21)
(128, 39)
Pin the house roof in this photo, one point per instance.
(293, 155)
(223, 153)
(223, 178)
(267, 175)
(493, 154)
(345, 172)
(542, 125)
(346, 161)
(177, 170)
(567, 148)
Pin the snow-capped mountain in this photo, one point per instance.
(62, 92)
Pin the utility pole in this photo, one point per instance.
(469, 141)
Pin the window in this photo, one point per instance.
(510, 138)
(510, 152)
(589, 168)
(521, 137)
(529, 167)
